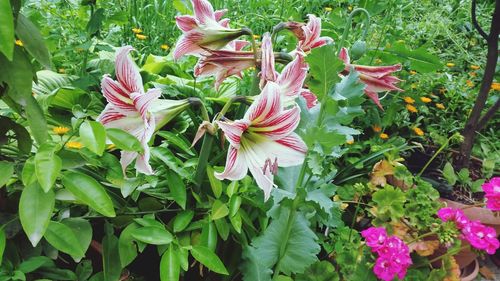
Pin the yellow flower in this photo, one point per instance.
(450, 64)
(351, 141)
(111, 146)
(413, 85)
(376, 129)
(328, 9)
(256, 36)
(378, 61)
(473, 74)
(440, 105)
(411, 108)
(475, 67)
(384, 136)
(74, 144)
(413, 72)
(60, 130)
(61, 70)
(141, 36)
(495, 86)
(136, 30)
(469, 83)
(409, 100)
(19, 43)
(349, 8)
(425, 99)
(165, 47)
(442, 90)
(418, 131)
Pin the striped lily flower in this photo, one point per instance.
(263, 140)
(128, 108)
(377, 78)
(309, 34)
(206, 30)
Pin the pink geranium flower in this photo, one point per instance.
(224, 63)
(263, 140)
(291, 79)
(492, 194)
(481, 237)
(204, 31)
(128, 108)
(375, 237)
(456, 215)
(309, 35)
(376, 78)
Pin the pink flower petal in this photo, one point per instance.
(142, 102)
(279, 125)
(186, 23)
(115, 94)
(293, 76)
(236, 167)
(127, 72)
(203, 11)
(233, 131)
(219, 14)
(267, 73)
(267, 104)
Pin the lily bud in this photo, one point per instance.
(358, 49)
(166, 110)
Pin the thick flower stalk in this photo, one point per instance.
(291, 80)
(309, 35)
(133, 110)
(224, 63)
(377, 78)
(492, 194)
(204, 31)
(263, 140)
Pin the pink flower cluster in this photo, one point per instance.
(492, 190)
(393, 254)
(480, 236)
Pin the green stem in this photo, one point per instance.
(255, 82)
(443, 146)
(206, 148)
(349, 23)
(422, 236)
(226, 108)
(448, 254)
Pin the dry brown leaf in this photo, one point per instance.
(399, 229)
(453, 272)
(487, 273)
(425, 248)
(380, 170)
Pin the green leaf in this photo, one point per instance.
(177, 188)
(61, 237)
(287, 242)
(50, 82)
(124, 140)
(28, 175)
(209, 236)
(234, 205)
(3, 241)
(182, 220)
(110, 258)
(209, 259)
(420, 60)
(126, 246)
(176, 141)
(222, 228)
(6, 29)
(82, 230)
(215, 183)
(34, 263)
(183, 7)
(36, 120)
(449, 174)
(35, 210)
(170, 267)
(95, 22)
(22, 136)
(172, 162)
(236, 222)
(324, 69)
(93, 136)
(19, 76)
(319, 271)
(7, 169)
(219, 210)
(90, 192)
(152, 235)
(253, 269)
(32, 40)
(388, 204)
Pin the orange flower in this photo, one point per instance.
(425, 99)
(60, 130)
(384, 136)
(473, 74)
(495, 86)
(411, 108)
(409, 100)
(418, 131)
(413, 72)
(74, 144)
(469, 83)
(440, 105)
(474, 67)
(165, 47)
(376, 129)
(136, 30)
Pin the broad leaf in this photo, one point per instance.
(215, 183)
(110, 258)
(152, 235)
(170, 267)
(6, 29)
(32, 40)
(324, 69)
(7, 169)
(82, 230)
(219, 210)
(35, 211)
(3, 241)
(19, 76)
(182, 220)
(61, 237)
(177, 188)
(420, 60)
(209, 259)
(126, 246)
(124, 140)
(90, 192)
(36, 120)
(93, 136)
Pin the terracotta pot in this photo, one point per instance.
(470, 272)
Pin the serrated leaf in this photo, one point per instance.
(319, 271)
(324, 68)
(35, 211)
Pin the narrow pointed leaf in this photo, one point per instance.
(152, 235)
(35, 211)
(209, 259)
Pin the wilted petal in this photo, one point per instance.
(267, 104)
(375, 84)
(374, 97)
(377, 71)
(238, 45)
(236, 167)
(186, 23)
(127, 72)
(344, 56)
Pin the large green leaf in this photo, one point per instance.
(170, 267)
(36, 120)
(126, 246)
(124, 140)
(209, 259)
(324, 69)
(19, 76)
(49, 82)
(32, 40)
(177, 188)
(47, 165)
(6, 29)
(219, 210)
(61, 237)
(93, 136)
(319, 271)
(420, 60)
(110, 257)
(82, 230)
(35, 210)
(89, 191)
(152, 235)
(215, 183)
(287, 242)
(23, 137)
(182, 220)
(7, 169)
